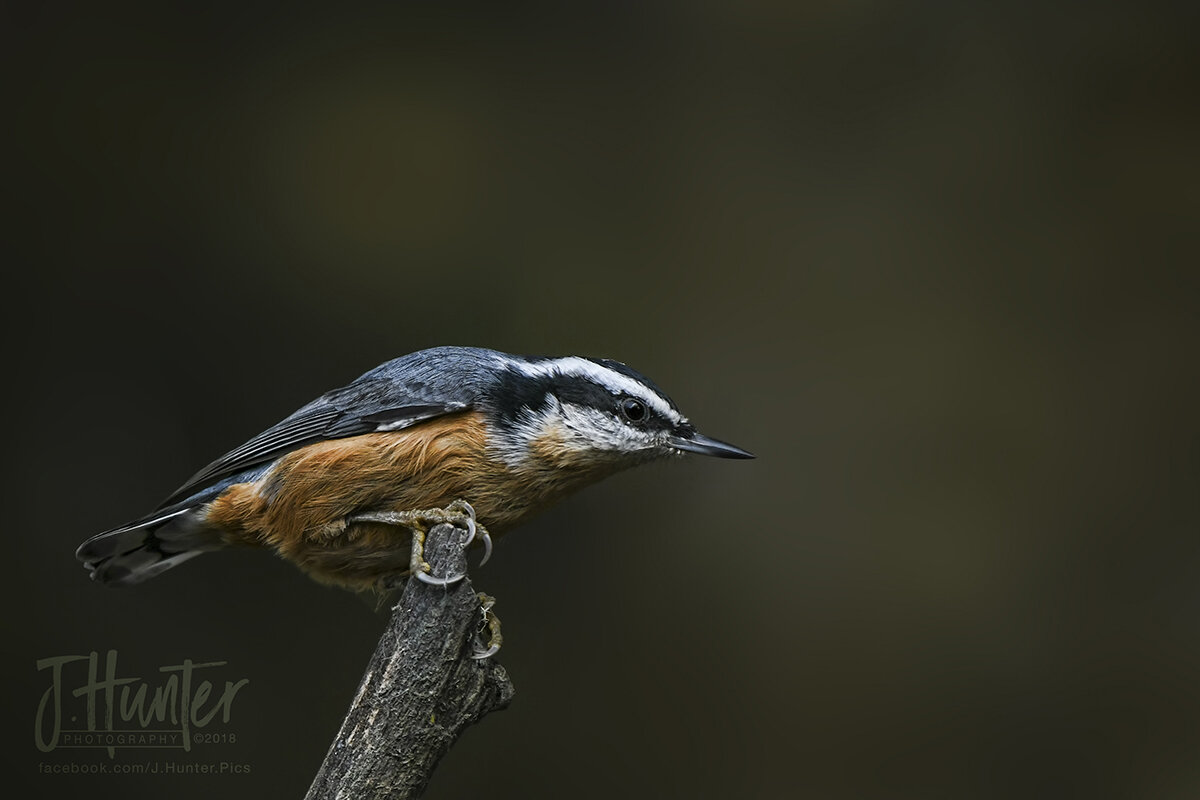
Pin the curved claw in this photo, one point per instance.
(487, 550)
(449, 580)
(473, 529)
(470, 532)
(468, 512)
(479, 655)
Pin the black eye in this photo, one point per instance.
(634, 410)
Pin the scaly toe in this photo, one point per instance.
(462, 507)
(492, 624)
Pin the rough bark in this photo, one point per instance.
(421, 689)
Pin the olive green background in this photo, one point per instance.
(934, 263)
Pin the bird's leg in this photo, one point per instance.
(492, 623)
(459, 513)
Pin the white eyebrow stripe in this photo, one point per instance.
(610, 378)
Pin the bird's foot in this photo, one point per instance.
(459, 513)
(492, 624)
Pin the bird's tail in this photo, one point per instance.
(148, 546)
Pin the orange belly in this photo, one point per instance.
(299, 507)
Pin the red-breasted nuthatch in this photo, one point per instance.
(329, 487)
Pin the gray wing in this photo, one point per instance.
(393, 396)
(364, 406)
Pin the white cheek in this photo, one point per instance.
(589, 428)
(603, 433)
(576, 428)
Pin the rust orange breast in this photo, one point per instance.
(299, 507)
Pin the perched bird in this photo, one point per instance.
(456, 434)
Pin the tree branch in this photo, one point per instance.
(420, 691)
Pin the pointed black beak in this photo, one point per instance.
(699, 443)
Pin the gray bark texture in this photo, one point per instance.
(421, 689)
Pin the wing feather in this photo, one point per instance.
(321, 420)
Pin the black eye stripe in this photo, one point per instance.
(630, 372)
(517, 394)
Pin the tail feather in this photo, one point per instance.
(148, 546)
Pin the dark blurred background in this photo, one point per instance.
(935, 264)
